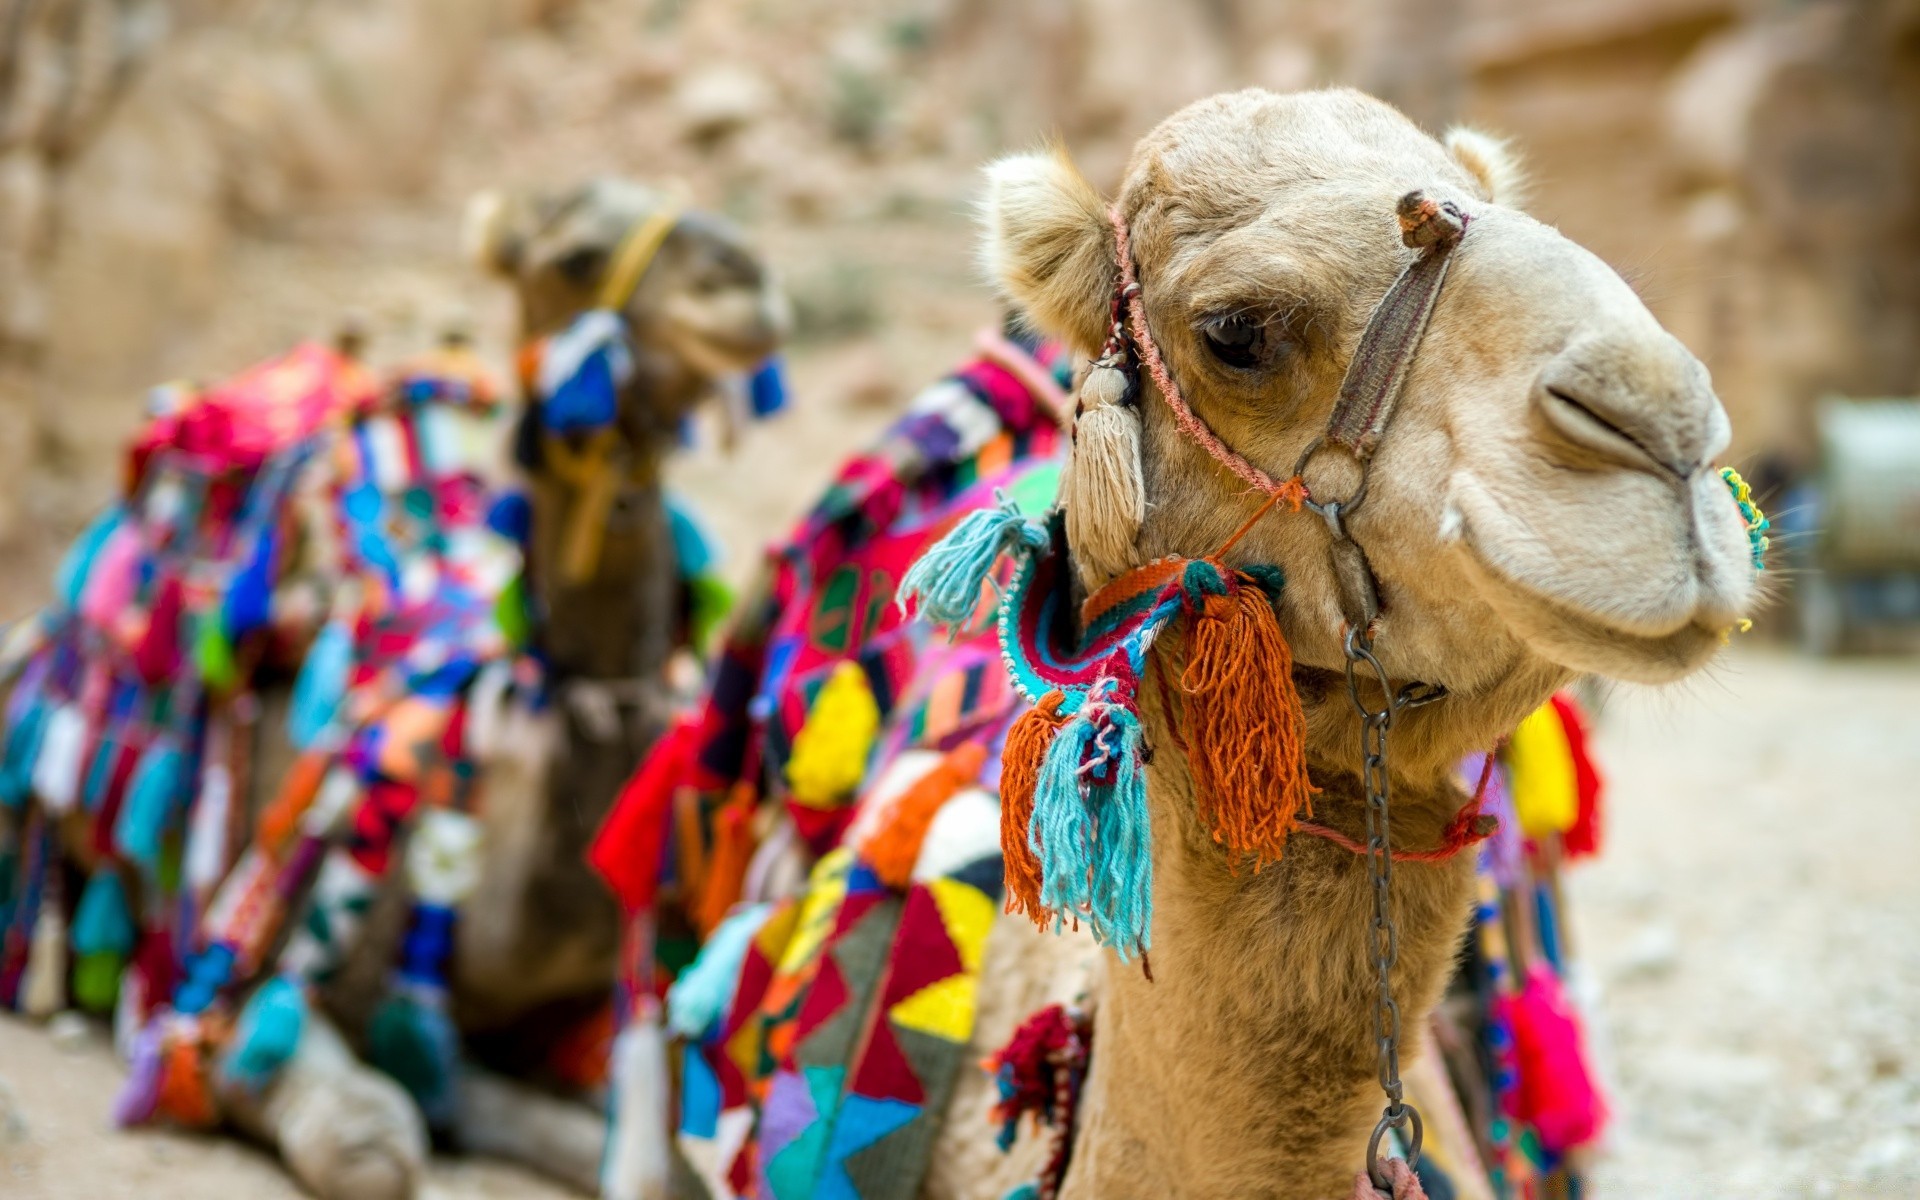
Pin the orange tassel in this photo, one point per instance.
(183, 1095)
(281, 820)
(895, 846)
(727, 866)
(1245, 732)
(1026, 749)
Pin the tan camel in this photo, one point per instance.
(539, 938)
(1542, 505)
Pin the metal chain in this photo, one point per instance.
(1383, 933)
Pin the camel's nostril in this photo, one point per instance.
(1584, 421)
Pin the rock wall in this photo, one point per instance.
(137, 137)
(1752, 165)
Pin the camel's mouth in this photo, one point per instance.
(1655, 615)
(727, 334)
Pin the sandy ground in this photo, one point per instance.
(1753, 930)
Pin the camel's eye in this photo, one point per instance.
(581, 266)
(1236, 341)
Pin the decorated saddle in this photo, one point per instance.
(308, 522)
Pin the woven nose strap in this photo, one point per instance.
(1378, 372)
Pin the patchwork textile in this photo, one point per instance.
(310, 521)
(306, 514)
(823, 1066)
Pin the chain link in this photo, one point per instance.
(1383, 933)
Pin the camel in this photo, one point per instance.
(1542, 505)
(539, 937)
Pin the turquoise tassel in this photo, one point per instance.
(412, 1039)
(694, 550)
(104, 921)
(100, 772)
(698, 1000)
(267, 1036)
(321, 686)
(1061, 833)
(1093, 839)
(22, 750)
(946, 582)
(1121, 910)
(71, 579)
(102, 937)
(151, 800)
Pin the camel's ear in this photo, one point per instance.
(1048, 246)
(1491, 162)
(489, 235)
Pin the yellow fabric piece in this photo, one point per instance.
(943, 1009)
(635, 255)
(1545, 796)
(968, 914)
(826, 888)
(830, 751)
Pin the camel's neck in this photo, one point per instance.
(1247, 1066)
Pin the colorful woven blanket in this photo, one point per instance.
(307, 520)
(825, 1031)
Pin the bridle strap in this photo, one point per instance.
(1369, 391)
(1378, 373)
(636, 253)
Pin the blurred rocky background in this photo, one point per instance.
(186, 185)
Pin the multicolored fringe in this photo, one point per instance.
(1039, 1073)
(135, 711)
(1075, 828)
(1757, 523)
(1513, 1046)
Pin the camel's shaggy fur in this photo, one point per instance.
(1542, 505)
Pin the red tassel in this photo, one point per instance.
(1244, 730)
(628, 850)
(1026, 749)
(1582, 839)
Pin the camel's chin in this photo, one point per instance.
(1563, 633)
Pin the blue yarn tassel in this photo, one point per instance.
(321, 686)
(412, 1039)
(767, 388)
(1091, 831)
(267, 1036)
(152, 797)
(698, 1000)
(102, 937)
(249, 598)
(1061, 833)
(71, 579)
(1121, 911)
(694, 550)
(22, 750)
(103, 923)
(946, 582)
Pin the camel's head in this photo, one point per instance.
(1545, 498)
(704, 308)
